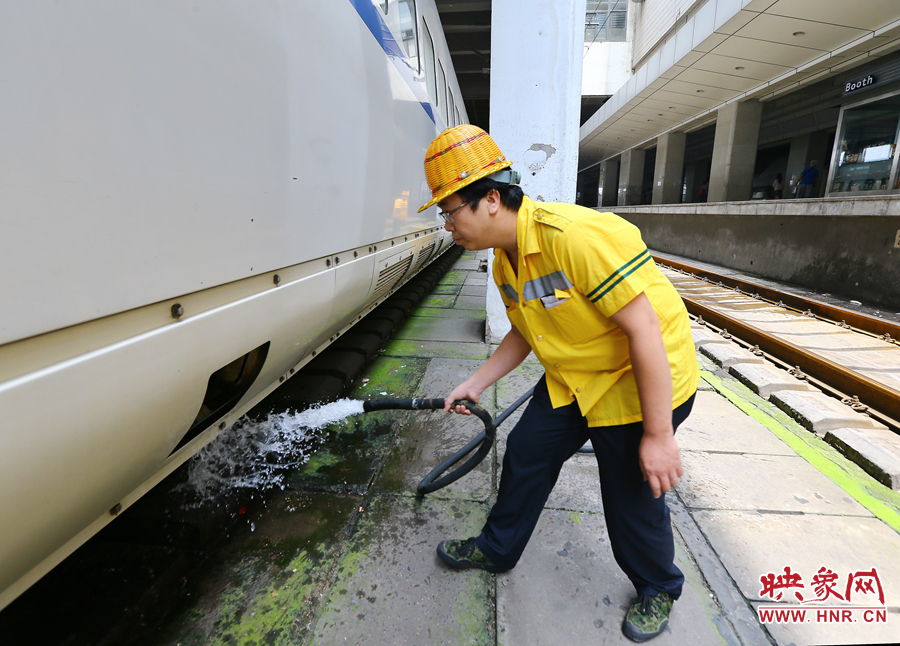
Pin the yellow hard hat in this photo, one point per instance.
(458, 157)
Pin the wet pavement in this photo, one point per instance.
(345, 553)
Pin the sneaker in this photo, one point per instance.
(463, 555)
(648, 616)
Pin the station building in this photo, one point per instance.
(710, 100)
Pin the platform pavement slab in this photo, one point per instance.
(390, 587)
(568, 589)
(421, 328)
(761, 482)
(754, 545)
(715, 424)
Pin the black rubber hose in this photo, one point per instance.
(432, 482)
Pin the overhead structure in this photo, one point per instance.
(687, 67)
(467, 28)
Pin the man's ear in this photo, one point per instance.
(493, 201)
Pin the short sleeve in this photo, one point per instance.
(606, 259)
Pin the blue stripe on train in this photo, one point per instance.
(373, 19)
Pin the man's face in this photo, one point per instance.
(461, 221)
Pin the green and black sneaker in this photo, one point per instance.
(648, 616)
(464, 555)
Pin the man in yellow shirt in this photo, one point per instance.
(583, 293)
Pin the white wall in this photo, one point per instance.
(607, 67)
(655, 18)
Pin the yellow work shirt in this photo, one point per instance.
(578, 267)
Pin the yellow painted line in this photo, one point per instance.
(884, 503)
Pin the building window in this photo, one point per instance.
(606, 21)
(864, 151)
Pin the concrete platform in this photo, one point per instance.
(346, 554)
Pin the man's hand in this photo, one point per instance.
(660, 462)
(463, 391)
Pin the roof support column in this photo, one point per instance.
(631, 176)
(536, 55)
(734, 151)
(669, 171)
(609, 182)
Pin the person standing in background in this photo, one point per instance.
(807, 180)
(778, 186)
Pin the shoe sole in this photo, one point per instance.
(466, 565)
(633, 635)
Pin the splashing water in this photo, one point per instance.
(258, 454)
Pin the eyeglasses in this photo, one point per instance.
(448, 215)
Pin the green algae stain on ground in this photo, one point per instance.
(878, 499)
(319, 460)
(269, 584)
(454, 277)
(390, 567)
(440, 349)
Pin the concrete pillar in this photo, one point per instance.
(734, 151)
(669, 170)
(609, 183)
(536, 60)
(537, 49)
(631, 176)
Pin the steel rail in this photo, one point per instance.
(857, 320)
(876, 396)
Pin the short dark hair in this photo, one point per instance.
(510, 194)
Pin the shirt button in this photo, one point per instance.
(540, 217)
(525, 304)
(556, 365)
(578, 390)
(540, 337)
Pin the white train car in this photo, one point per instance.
(195, 197)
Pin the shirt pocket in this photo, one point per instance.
(573, 322)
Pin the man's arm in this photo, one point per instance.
(660, 460)
(508, 355)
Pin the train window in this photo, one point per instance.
(408, 30)
(442, 91)
(383, 5)
(451, 107)
(428, 50)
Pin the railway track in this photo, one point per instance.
(848, 355)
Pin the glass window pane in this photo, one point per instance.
(618, 21)
(606, 21)
(451, 107)
(442, 91)
(383, 4)
(866, 151)
(428, 51)
(408, 31)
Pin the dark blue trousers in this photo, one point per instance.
(640, 530)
